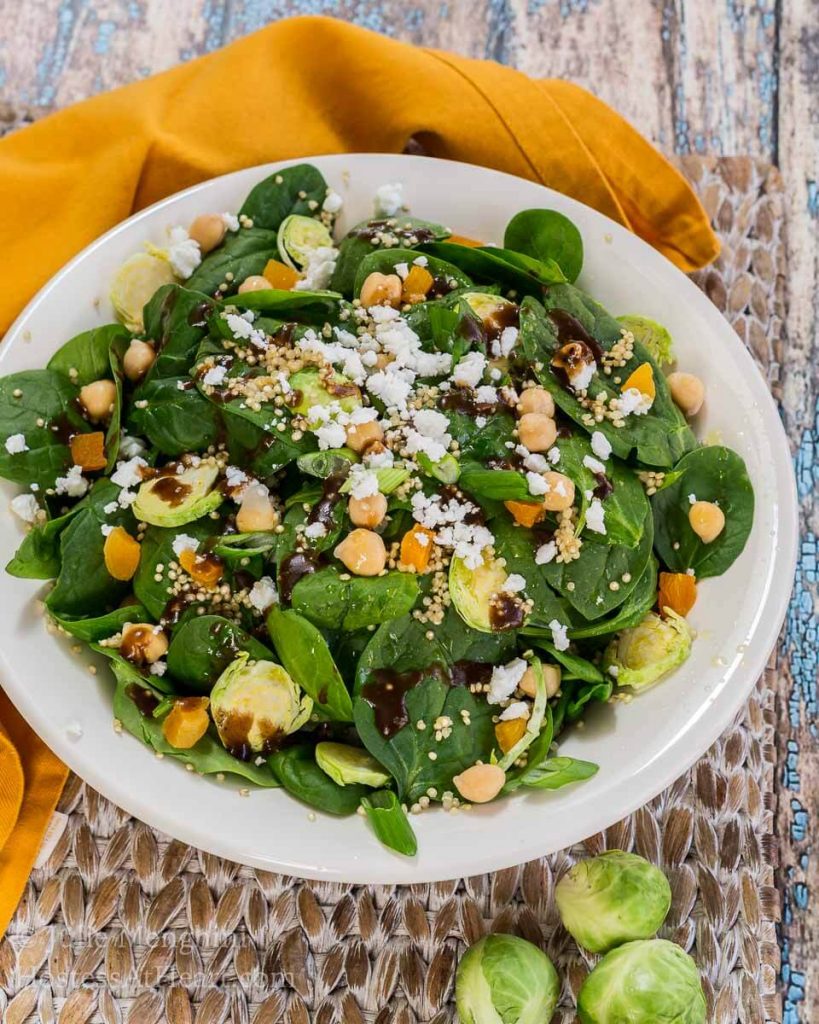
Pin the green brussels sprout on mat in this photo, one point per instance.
(506, 980)
(612, 899)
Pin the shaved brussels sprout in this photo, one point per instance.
(135, 282)
(505, 980)
(348, 765)
(173, 499)
(654, 336)
(643, 982)
(611, 899)
(473, 590)
(486, 306)
(311, 389)
(645, 653)
(298, 237)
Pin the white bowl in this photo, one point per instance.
(641, 747)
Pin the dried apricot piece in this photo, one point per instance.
(526, 513)
(204, 569)
(121, 554)
(88, 450)
(416, 547)
(279, 275)
(642, 380)
(509, 733)
(416, 284)
(678, 591)
(473, 243)
(187, 722)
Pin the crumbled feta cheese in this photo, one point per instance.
(106, 528)
(590, 462)
(495, 374)
(130, 447)
(263, 594)
(379, 460)
(184, 542)
(486, 394)
(363, 482)
(392, 388)
(363, 414)
(503, 345)
(467, 540)
(559, 635)
(231, 221)
(126, 498)
(420, 261)
(332, 202)
(402, 269)
(431, 423)
(317, 271)
(243, 330)
(25, 507)
(546, 553)
(504, 681)
(614, 671)
(517, 709)
(127, 474)
(515, 583)
(553, 455)
(582, 376)
(535, 462)
(596, 516)
(432, 448)
(537, 483)
(388, 199)
(634, 401)
(184, 254)
(480, 422)
(692, 499)
(235, 477)
(601, 446)
(215, 376)
(315, 531)
(331, 435)
(159, 668)
(469, 370)
(16, 443)
(72, 484)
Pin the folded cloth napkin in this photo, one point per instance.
(297, 88)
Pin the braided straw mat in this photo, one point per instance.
(124, 924)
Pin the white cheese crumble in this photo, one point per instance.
(159, 668)
(431, 423)
(469, 370)
(235, 478)
(25, 507)
(16, 443)
(467, 540)
(402, 269)
(184, 254)
(379, 460)
(596, 516)
(330, 435)
(231, 221)
(363, 482)
(504, 681)
(537, 483)
(317, 271)
(184, 542)
(420, 261)
(127, 474)
(315, 531)
(601, 446)
(553, 455)
(546, 553)
(582, 377)
(692, 499)
(388, 199)
(517, 709)
(486, 394)
(515, 583)
(559, 635)
(72, 484)
(634, 401)
(131, 446)
(263, 594)
(215, 376)
(106, 529)
(503, 345)
(332, 202)
(243, 330)
(590, 462)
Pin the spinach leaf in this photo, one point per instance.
(176, 320)
(157, 549)
(630, 612)
(494, 484)
(405, 754)
(383, 261)
(535, 755)
(517, 545)
(546, 235)
(203, 647)
(333, 603)
(515, 271)
(575, 665)
(100, 627)
(307, 307)
(207, 757)
(88, 354)
(46, 412)
(290, 190)
(580, 693)
(389, 822)
(480, 443)
(361, 240)
(38, 557)
(714, 474)
(243, 253)
(556, 772)
(307, 658)
(297, 771)
(175, 418)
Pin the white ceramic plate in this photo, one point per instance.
(641, 747)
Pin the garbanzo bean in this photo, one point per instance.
(254, 283)
(98, 399)
(362, 552)
(381, 289)
(551, 677)
(480, 783)
(368, 511)
(143, 643)
(362, 435)
(138, 359)
(207, 231)
(559, 492)
(707, 520)
(537, 431)
(256, 514)
(535, 400)
(688, 392)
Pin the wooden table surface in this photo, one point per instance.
(702, 76)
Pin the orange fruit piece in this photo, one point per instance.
(416, 547)
(187, 722)
(642, 379)
(473, 243)
(280, 275)
(204, 569)
(121, 554)
(526, 513)
(508, 733)
(88, 450)
(416, 284)
(678, 591)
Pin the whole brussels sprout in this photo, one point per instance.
(643, 982)
(648, 651)
(611, 899)
(505, 980)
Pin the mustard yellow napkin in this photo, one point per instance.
(300, 87)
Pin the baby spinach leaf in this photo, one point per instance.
(582, 692)
(556, 772)
(203, 647)
(46, 412)
(100, 627)
(176, 321)
(383, 261)
(389, 822)
(207, 757)
(367, 236)
(480, 443)
(714, 474)
(630, 612)
(243, 253)
(546, 235)
(157, 549)
(494, 484)
(515, 271)
(290, 190)
(405, 754)
(574, 664)
(88, 354)
(333, 603)
(307, 307)
(297, 771)
(307, 658)
(517, 545)
(38, 557)
(175, 418)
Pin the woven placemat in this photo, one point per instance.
(124, 924)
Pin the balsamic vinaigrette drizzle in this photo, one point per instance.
(293, 568)
(506, 611)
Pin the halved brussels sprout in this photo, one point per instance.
(173, 499)
(643, 982)
(298, 236)
(472, 591)
(446, 469)
(652, 335)
(645, 653)
(254, 704)
(505, 980)
(314, 388)
(487, 306)
(349, 766)
(134, 284)
(327, 463)
(611, 899)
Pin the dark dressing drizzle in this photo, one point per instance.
(145, 701)
(470, 673)
(506, 315)
(604, 486)
(324, 509)
(234, 732)
(569, 329)
(171, 490)
(385, 693)
(198, 316)
(293, 567)
(505, 612)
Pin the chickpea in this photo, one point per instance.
(256, 514)
(142, 643)
(254, 283)
(138, 359)
(707, 520)
(369, 511)
(362, 435)
(559, 492)
(536, 400)
(362, 552)
(207, 231)
(381, 289)
(537, 431)
(551, 677)
(688, 392)
(480, 783)
(98, 399)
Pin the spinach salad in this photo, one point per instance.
(372, 519)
